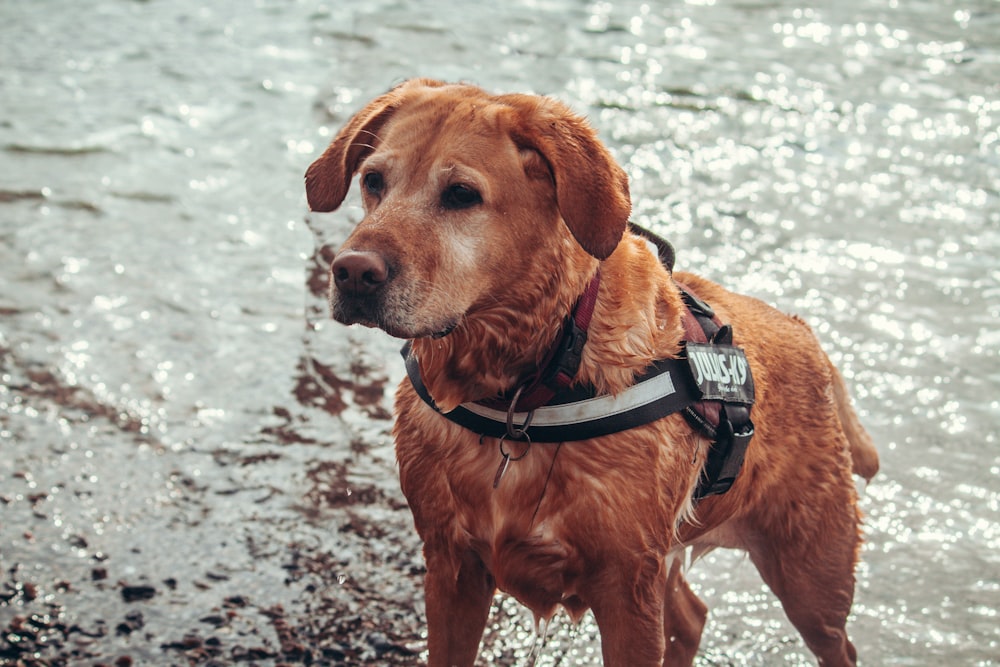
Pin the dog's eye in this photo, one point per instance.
(374, 183)
(460, 196)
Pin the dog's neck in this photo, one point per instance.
(492, 349)
(636, 319)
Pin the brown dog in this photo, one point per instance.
(487, 217)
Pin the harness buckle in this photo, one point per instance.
(729, 449)
(568, 357)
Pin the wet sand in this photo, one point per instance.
(198, 556)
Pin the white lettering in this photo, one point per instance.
(726, 368)
(741, 364)
(724, 375)
(713, 362)
(699, 366)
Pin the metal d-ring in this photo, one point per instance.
(514, 433)
(517, 432)
(506, 455)
(506, 458)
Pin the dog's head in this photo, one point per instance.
(463, 192)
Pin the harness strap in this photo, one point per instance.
(726, 422)
(578, 413)
(664, 251)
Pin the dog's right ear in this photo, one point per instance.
(329, 177)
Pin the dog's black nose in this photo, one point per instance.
(359, 272)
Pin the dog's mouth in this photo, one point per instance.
(444, 332)
(395, 326)
(407, 333)
(435, 332)
(402, 313)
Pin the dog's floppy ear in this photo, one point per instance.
(591, 188)
(329, 177)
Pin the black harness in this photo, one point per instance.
(723, 375)
(710, 384)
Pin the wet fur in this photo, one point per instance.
(597, 524)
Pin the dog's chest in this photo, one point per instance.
(521, 529)
(557, 515)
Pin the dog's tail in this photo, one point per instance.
(863, 454)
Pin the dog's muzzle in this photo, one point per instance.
(360, 293)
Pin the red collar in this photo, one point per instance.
(561, 363)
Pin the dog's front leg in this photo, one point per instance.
(458, 592)
(683, 618)
(628, 604)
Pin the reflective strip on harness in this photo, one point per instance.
(578, 414)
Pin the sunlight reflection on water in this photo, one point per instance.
(839, 161)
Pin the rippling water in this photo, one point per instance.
(170, 390)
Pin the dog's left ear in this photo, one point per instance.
(329, 177)
(591, 188)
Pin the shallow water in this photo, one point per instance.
(195, 462)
